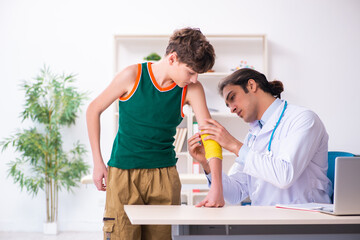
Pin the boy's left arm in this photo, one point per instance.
(195, 97)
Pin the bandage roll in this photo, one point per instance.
(212, 148)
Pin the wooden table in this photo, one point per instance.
(231, 221)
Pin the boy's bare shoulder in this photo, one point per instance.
(194, 91)
(195, 88)
(127, 75)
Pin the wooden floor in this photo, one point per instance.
(59, 236)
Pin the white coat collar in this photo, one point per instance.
(270, 123)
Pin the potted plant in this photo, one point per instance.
(153, 57)
(51, 103)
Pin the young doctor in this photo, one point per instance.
(283, 158)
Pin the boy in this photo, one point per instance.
(142, 164)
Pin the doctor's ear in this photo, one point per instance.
(252, 85)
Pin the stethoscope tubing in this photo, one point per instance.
(277, 124)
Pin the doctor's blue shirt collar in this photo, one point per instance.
(269, 111)
(265, 118)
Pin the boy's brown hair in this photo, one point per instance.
(192, 48)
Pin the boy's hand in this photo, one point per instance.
(214, 198)
(197, 151)
(99, 175)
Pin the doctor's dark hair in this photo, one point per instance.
(192, 48)
(243, 75)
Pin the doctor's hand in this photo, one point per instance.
(197, 151)
(221, 135)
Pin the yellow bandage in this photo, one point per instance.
(212, 148)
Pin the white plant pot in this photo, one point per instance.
(50, 228)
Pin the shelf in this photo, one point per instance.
(87, 179)
(182, 154)
(226, 153)
(200, 194)
(218, 114)
(189, 178)
(190, 193)
(222, 114)
(213, 75)
(184, 178)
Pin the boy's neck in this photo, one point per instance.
(159, 71)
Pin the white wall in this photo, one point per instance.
(313, 46)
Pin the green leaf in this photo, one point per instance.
(51, 103)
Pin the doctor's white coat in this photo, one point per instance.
(294, 172)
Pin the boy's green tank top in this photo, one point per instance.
(148, 118)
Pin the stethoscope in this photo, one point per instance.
(277, 124)
(252, 137)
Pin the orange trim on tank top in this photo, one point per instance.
(183, 100)
(155, 83)
(135, 86)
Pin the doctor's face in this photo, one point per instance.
(241, 103)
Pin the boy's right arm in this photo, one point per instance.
(119, 87)
(196, 98)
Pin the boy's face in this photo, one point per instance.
(181, 74)
(184, 75)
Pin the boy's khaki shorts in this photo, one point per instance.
(157, 186)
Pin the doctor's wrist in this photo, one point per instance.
(236, 147)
